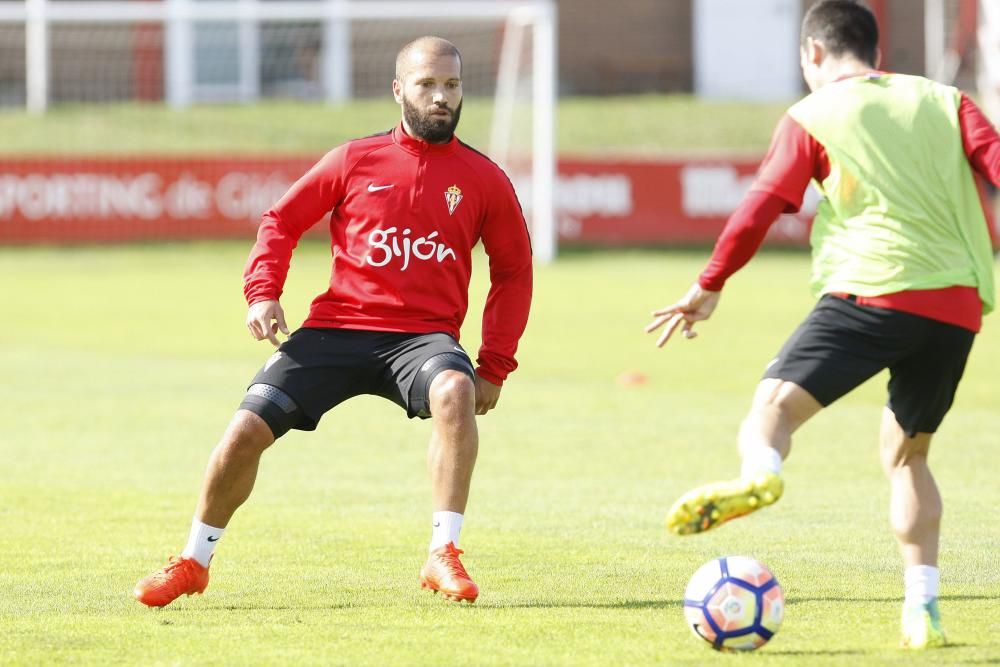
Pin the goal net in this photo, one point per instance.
(182, 53)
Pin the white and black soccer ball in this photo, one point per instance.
(734, 603)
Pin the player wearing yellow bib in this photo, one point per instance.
(902, 266)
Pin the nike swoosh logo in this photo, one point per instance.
(437, 524)
(375, 188)
(213, 539)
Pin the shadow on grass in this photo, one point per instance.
(675, 603)
(948, 647)
(946, 598)
(583, 604)
(817, 653)
(283, 607)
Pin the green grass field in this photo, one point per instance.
(647, 125)
(122, 365)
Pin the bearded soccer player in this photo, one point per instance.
(405, 209)
(902, 266)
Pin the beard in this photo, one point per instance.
(431, 129)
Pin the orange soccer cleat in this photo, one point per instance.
(444, 572)
(181, 576)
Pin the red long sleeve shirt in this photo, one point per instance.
(796, 157)
(404, 216)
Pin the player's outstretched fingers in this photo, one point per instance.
(670, 310)
(255, 330)
(656, 324)
(279, 315)
(676, 319)
(662, 316)
(272, 329)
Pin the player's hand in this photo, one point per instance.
(487, 395)
(695, 306)
(265, 319)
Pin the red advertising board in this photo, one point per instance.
(598, 201)
(670, 201)
(675, 201)
(125, 199)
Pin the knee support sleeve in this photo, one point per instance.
(278, 410)
(420, 401)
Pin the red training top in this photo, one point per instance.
(404, 217)
(794, 158)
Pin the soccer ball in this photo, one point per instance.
(734, 603)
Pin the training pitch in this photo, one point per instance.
(122, 365)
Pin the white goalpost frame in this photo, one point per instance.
(941, 59)
(506, 91)
(937, 63)
(988, 40)
(178, 17)
(36, 57)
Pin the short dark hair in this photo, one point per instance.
(844, 27)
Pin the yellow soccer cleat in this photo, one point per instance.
(713, 504)
(922, 626)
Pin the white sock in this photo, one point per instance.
(760, 459)
(202, 541)
(446, 527)
(921, 582)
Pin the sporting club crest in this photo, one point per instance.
(453, 196)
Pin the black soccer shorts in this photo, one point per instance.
(317, 369)
(842, 344)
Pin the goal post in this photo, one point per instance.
(950, 35)
(962, 47)
(988, 78)
(522, 27)
(235, 51)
